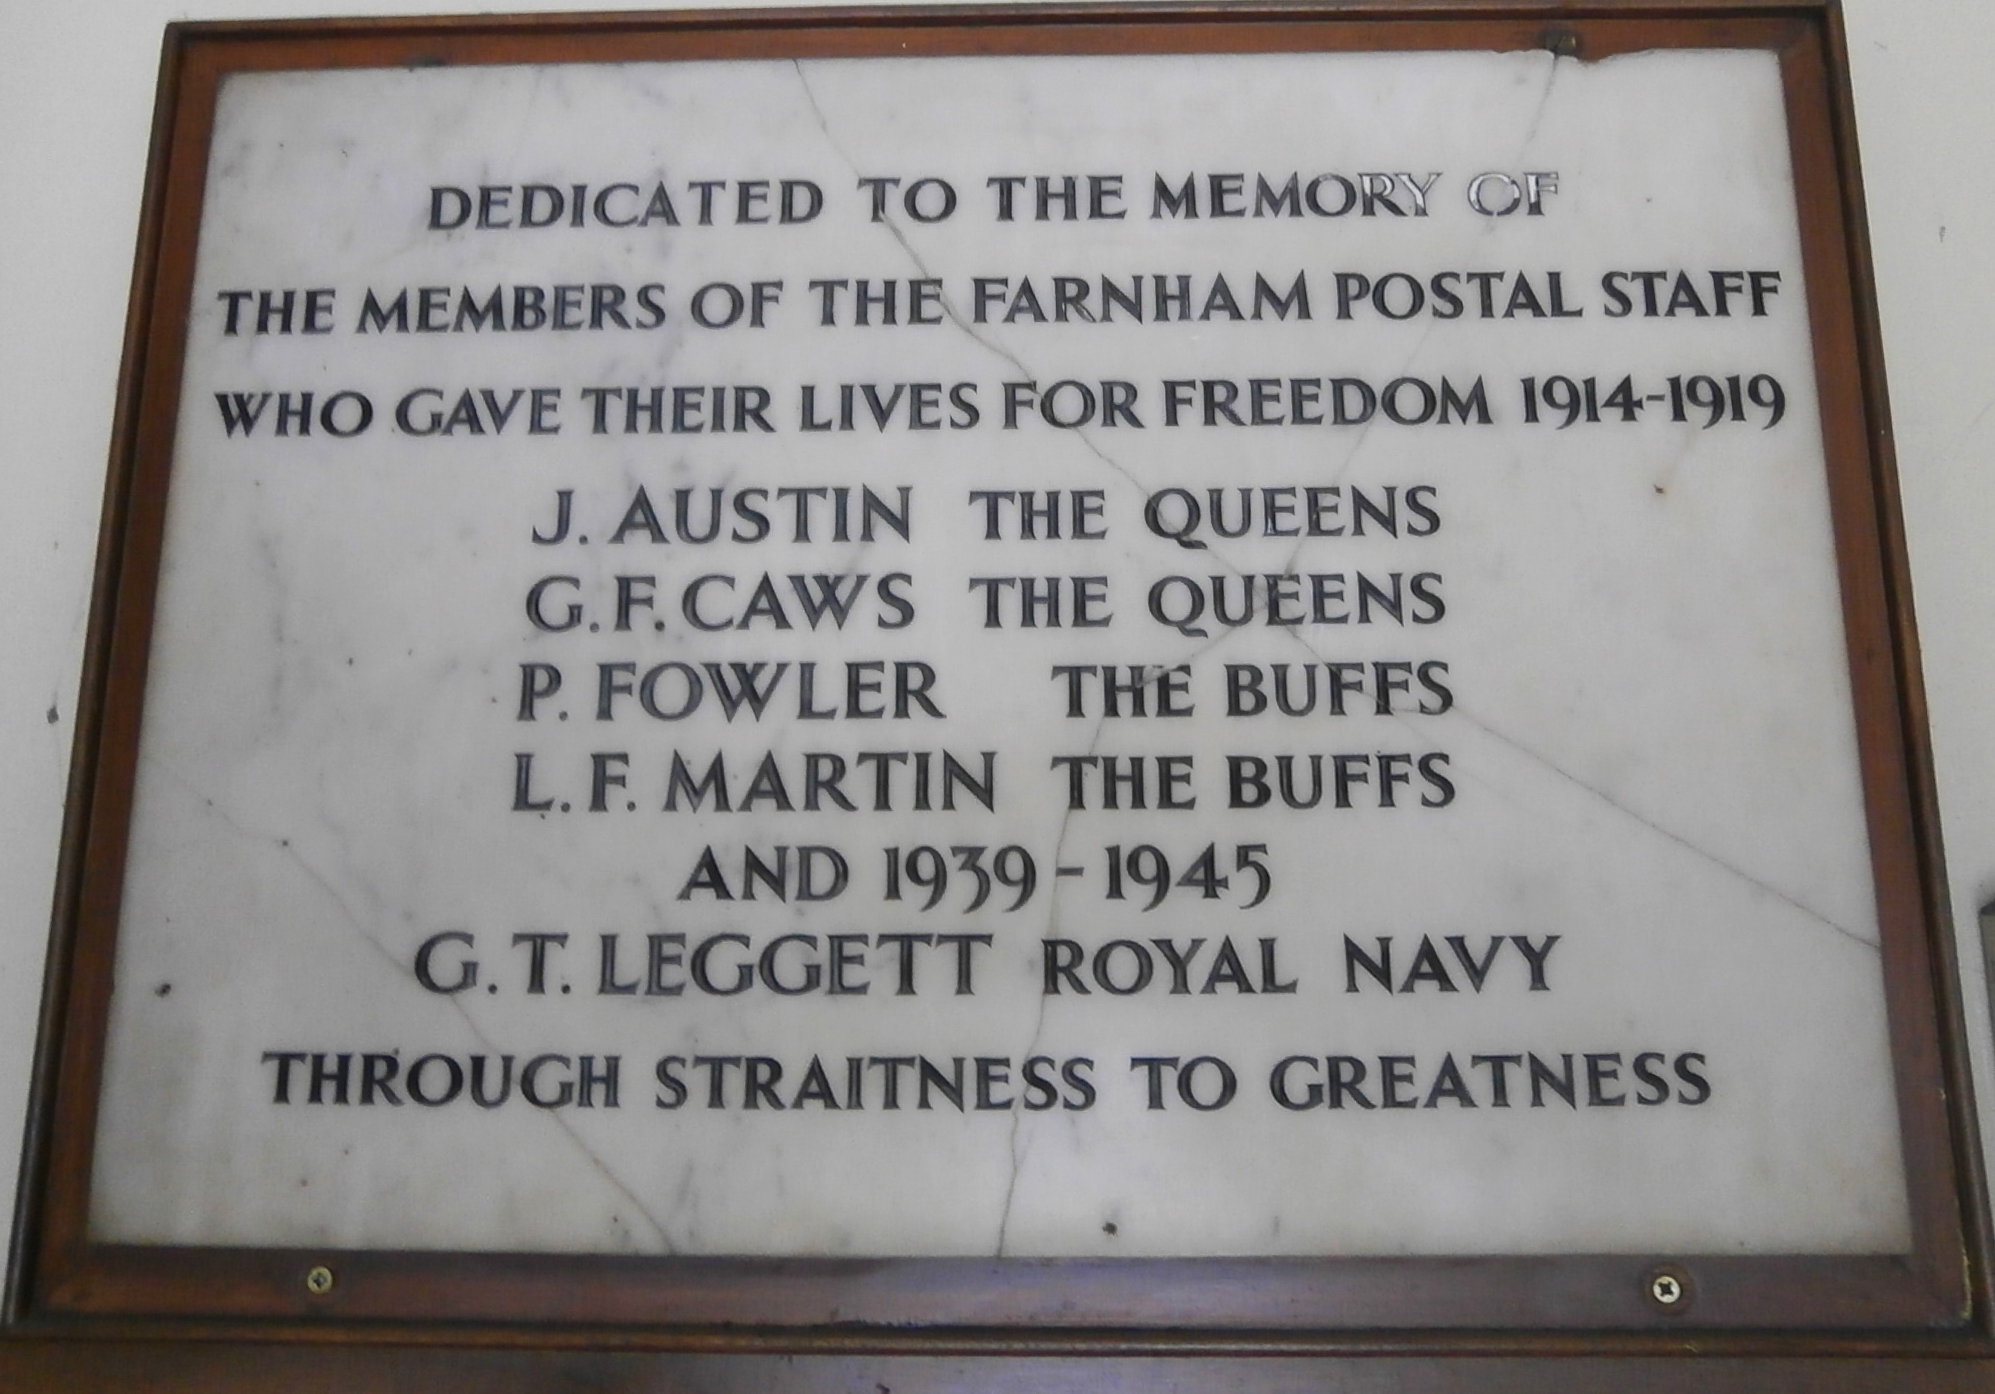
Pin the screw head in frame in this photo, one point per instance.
(1560, 41)
(319, 1280)
(1668, 1289)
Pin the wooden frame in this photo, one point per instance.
(1934, 1302)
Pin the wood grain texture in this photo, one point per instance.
(45, 1367)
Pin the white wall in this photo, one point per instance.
(1924, 114)
(76, 91)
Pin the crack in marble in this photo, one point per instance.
(1668, 835)
(1357, 448)
(276, 592)
(1294, 556)
(1979, 416)
(949, 309)
(1544, 100)
(1039, 1020)
(318, 878)
(1084, 435)
(1566, 775)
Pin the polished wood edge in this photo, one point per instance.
(239, 1368)
(97, 827)
(1091, 1343)
(804, 1296)
(1954, 1057)
(1590, 31)
(1098, 11)
(1921, 984)
(1908, 935)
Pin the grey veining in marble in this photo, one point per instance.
(1593, 790)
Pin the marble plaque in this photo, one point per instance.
(1212, 655)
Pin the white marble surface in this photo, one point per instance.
(1650, 743)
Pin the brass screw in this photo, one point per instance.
(319, 1280)
(1668, 1287)
(1562, 42)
